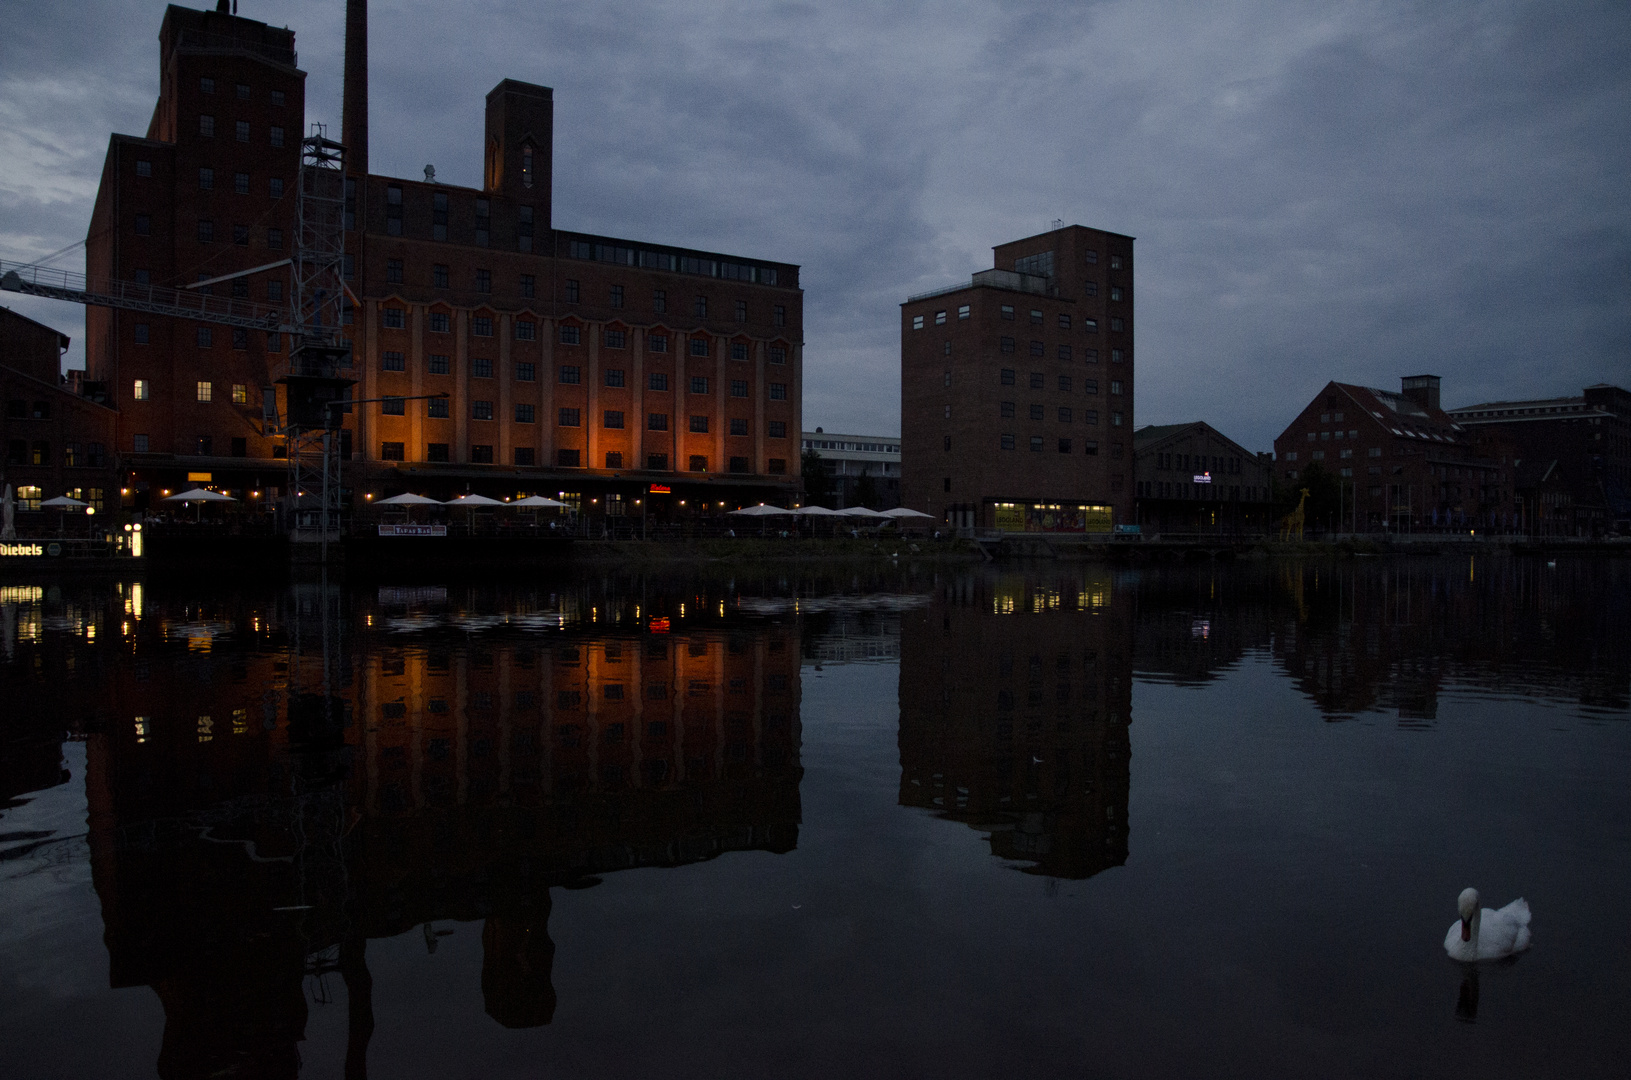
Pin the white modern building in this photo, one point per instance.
(849, 457)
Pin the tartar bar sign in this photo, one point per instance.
(22, 549)
(413, 530)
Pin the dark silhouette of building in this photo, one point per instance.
(56, 440)
(1192, 478)
(1571, 457)
(1015, 700)
(1017, 389)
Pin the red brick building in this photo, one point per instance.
(56, 442)
(1017, 389)
(1403, 461)
(572, 363)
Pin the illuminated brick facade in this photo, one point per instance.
(568, 361)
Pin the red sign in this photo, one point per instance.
(659, 626)
(660, 489)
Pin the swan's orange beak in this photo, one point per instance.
(1466, 930)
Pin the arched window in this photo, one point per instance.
(526, 166)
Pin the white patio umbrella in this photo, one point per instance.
(64, 503)
(860, 512)
(407, 498)
(541, 501)
(904, 512)
(815, 511)
(200, 495)
(474, 500)
(763, 511)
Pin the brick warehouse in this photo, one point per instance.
(1017, 389)
(572, 363)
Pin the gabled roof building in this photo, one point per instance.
(1402, 460)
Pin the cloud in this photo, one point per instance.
(1355, 192)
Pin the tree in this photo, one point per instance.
(866, 491)
(817, 484)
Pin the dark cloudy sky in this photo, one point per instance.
(1354, 191)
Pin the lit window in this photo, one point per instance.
(143, 390)
(240, 394)
(204, 391)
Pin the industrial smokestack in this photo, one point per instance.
(354, 110)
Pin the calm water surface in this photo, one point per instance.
(1039, 821)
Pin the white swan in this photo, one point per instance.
(1487, 934)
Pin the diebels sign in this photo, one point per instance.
(23, 550)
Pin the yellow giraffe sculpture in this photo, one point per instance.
(1293, 522)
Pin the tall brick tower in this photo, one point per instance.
(1017, 389)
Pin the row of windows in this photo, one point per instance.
(142, 334)
(1039, 381)
(240, 182)
(74, 455)
(240, 130)
(21, 409)
(203, 390)
(482, 454)
(1007, 442)
(1326, 435)
(394, 318)
(615, 297)
(481, 367)
(1065, 414)
(1090, 326)
(1193, 463)
(681, 264)
(613, 419)
(1038, 444)
(206, 85)
(143, 226)
(1168, 489)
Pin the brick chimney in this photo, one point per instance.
(354, 109)
(1422, 389)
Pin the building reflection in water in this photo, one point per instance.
(286, 783)
(1015, 699)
